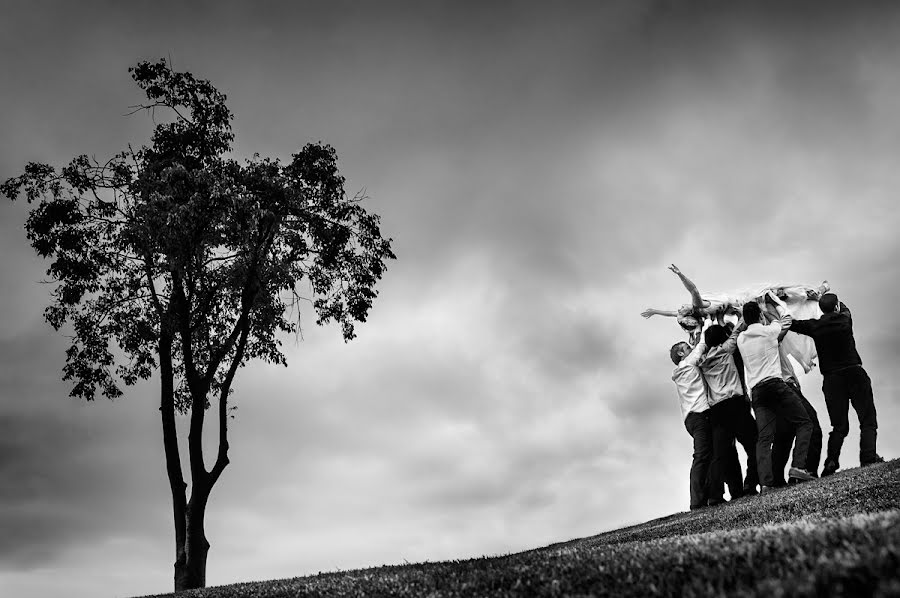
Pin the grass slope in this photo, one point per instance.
(839, 536)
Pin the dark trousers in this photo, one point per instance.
(784, 436)
(731, 420)
(773, 398)
(843, 388)
(699, 428)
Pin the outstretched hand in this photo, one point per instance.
(675, 269)
(647, 313)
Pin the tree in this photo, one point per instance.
(177, 259)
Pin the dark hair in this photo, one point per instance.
(715, 335)
(751, 312)
(673, 352)
(729, 327)
(828, 303)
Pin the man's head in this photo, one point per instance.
(751, 312)
(715, 335)
(679, 351)
(828, 303)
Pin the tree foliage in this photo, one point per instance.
(178, 236)
(177, 259)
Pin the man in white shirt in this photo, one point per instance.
(729, 415)
(695, 412)
(781, 448)
(771, 396)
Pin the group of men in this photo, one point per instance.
(733, 367)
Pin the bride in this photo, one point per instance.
(800, 301)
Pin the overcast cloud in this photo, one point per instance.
(538, 166)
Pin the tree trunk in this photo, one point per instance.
(173, 460)
(191, 545)
(190, 567)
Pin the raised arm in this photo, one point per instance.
(696, 300)
(730, 343)
(775, 307)
(809, 327)
(806, 327)
(659, 312)
(845, 310)
(785, 322)
(699, 351)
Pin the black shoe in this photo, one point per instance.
(715, 502)
(831, 466)
(767, 490)
(750, 490)
(796, 475)
(873, 461)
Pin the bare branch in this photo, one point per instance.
(158, 104)
(221, 258)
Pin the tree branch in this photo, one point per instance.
(248, 296)
(148, 272)
(154, 106)
(197, 387)
(222, 457)
(170, 438)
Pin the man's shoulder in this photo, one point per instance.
(682, 372)
(834, 318)
(755, 329)
(720, 351)
(757, 333)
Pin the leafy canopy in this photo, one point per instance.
(178, 242)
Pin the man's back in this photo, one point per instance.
(689, 383)
(759, 348)
(720, 371)
(833, 335)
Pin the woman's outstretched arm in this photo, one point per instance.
(659, 312)
(698, 303)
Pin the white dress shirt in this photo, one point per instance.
(759, 349)
(689, 382)
(722, 377)
(787, 369)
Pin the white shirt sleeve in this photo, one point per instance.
(696, 354)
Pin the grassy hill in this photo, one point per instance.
(839, 536)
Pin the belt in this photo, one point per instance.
(767, 381)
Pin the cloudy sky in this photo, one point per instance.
(538, 166)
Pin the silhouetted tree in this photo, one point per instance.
(177, 259)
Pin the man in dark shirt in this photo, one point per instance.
(844, 383)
